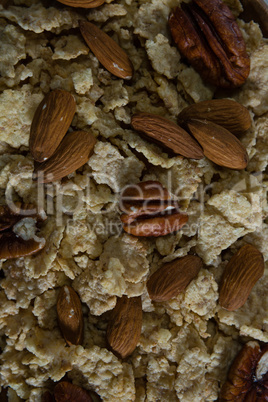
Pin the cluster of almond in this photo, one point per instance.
(214, 124)
(58, 154)
(12, 245)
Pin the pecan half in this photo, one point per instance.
(248, 376)
(11, 215)
(12, 246)
(148, 210)
(207, 35)
(66, 391)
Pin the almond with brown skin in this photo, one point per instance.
(50, 123)
(173, 277)
(219, 145)
(67, 392)
(12, 246)
(241, 273)
(73, 152)
(225, 112)
(107, 51)
(82, 3)
(70, 316)
(124, 328)
(168, 134)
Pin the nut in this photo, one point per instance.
(51, 121)
(219, 145)
(9, 216)
(173, 277)
(67, 392)
(73, 152)
(225, 112)
(240, 275)
(248, 376)
(82, 3)
(124, 328)
(167, 134)
(208, 36)
(70, 316)
(149, 210)
(13, 246)
(107, 51)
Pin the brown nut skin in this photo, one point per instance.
(124, 328)
(168, 134)
(173, 277)
(219, 145)
(12, 246)
(50, 123)
(241, 273)
(67, 392)
(207, 35)
(73, 152)
(157, 226)
(224, 112)
(244, 382)
(82, 3)
(107, 51)
(10, 215)
(70, 316)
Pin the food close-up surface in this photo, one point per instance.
(133, 200)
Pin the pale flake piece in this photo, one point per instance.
(68, 47)
(12, 49)
(83, 81)
(191, 83)
(115, 95)
(37, 18)
(164, 58)
(15, 125)
(106, 11)
(254, 93)
(111, 168)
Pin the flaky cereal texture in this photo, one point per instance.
(187, 343)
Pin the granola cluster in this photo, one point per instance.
(188, 343)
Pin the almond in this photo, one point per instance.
(70, 316)
(240, 275)
(219, 145)
(50, 123)
(168, 134)
(107, 51)
(173, 277)
(66, 391)
(82, 3)
(225, 112)
(124, 328)
(73, 152)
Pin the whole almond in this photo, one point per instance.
(219, 145)
(66, 391)
(50, 123)
(73, 152)
(107, 51)
(82, 3)
(168, 134)
(124, 328)
(240, 275)
(224, 112)
(70, 316)
(173, 277)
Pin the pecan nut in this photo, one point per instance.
(248, 376)
(148, 210)
(207, 35)
(13, 246)
(66, 391)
